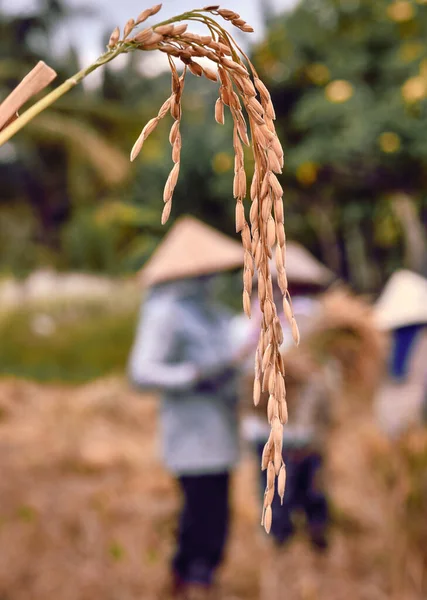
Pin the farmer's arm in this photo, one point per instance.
(148, 366)
(217, 371)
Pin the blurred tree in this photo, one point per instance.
(349, 82)
(69, 158)
(70, 166)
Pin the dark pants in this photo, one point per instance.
(203, 527)
(303, 493)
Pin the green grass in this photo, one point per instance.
(83, 341)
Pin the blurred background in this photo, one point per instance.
(85, 510)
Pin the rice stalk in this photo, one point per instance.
(248, 101)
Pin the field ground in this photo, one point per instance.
(87, 511)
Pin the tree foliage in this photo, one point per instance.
(350, 87)
(349, 82)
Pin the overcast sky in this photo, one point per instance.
(110, 13)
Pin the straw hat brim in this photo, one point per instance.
(191, 249)
(403, 301)
(302, 268)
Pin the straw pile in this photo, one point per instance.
(344, 331)
(342, 345)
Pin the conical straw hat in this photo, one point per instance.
(403, 301)
(190, 249)
(302, 267)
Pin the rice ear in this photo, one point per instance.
(265, 232)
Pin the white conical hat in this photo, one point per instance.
(190, 249)
(403, 301)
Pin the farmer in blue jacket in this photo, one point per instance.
(183, 350)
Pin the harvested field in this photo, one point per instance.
(87, 512)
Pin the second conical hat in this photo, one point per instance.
(191, 249)
(302, 268)
(403, 301)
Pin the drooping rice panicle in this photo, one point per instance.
(252, 112)
(242, 92)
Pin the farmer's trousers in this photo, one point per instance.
(203, 527)
(303, 492)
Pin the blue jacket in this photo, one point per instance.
(183, 350)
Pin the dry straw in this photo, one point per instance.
(248, 101)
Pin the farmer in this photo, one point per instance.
(182, 349)
(308, 406)
(401, 310)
